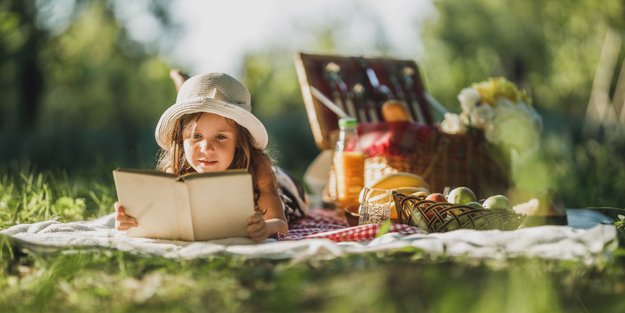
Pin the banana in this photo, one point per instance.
(411, 190)
(400, 180)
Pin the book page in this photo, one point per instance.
(220, 204)
(158, 203)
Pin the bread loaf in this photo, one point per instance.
(395, 111)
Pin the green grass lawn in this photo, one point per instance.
(403, 281)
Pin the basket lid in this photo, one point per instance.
(357, 86)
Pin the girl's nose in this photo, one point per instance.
(205, 145)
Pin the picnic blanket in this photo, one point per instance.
(319, 236)
(325, 224)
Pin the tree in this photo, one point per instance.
(549, 47)
(21, 51)
(90, 94)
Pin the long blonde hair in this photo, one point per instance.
(246, 156)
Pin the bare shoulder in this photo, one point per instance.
(264, 174)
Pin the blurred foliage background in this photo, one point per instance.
(80, 95)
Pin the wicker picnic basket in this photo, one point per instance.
(445, 160)
(442, 216)
(418, 147)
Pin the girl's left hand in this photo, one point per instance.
(256, 227)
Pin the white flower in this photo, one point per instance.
(481, 115)
(468, 98)
(497, 107)
(452, 124)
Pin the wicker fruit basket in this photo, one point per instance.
(436, 217)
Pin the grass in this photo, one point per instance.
(114, 281)
(30, 196)
(403, 281)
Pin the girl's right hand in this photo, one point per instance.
(123, 221)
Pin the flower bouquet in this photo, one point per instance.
(501, 110)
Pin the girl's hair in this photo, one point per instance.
(246, 156)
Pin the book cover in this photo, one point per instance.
(192, 207)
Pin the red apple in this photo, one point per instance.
(436, 197)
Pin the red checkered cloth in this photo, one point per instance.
(393, 138)
(321, 223)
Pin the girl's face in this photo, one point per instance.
(210, 143)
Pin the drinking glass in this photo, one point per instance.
(375, 205)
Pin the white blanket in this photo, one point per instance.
(585, 240)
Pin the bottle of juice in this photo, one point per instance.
(349, 165)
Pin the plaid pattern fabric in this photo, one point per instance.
(325, 224)
(394, 138)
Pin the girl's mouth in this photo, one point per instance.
(207, 163)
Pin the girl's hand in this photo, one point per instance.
(123, 221)
(257, 228)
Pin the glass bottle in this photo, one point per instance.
(349, 165)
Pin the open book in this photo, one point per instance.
(189, 207)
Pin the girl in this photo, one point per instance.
(211, 128)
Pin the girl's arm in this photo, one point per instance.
(270, 205)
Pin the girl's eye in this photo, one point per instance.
(197, 136)
(221, 137)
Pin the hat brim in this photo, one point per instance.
(167, 122)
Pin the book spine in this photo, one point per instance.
(185, 224)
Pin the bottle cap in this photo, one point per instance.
(348, 122)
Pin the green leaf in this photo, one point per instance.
(384, 228)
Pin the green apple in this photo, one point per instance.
(461, 195)
(417, 219)
(497, 202)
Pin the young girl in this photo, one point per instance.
(211, 128)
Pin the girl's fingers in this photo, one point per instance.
(256, 218)
(119, 209)
(124, 222)
(256, 227)
(125, 219)
(124, 226)
(256, 224)
(252, 227)
(259, 235)
(257, 231)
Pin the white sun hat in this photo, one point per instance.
(216, 93)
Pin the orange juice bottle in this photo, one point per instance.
(349, 165)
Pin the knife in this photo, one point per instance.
(328, 103)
